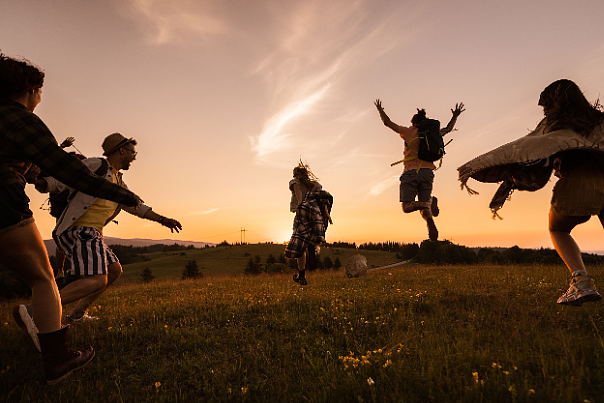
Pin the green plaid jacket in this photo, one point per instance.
(25, 139)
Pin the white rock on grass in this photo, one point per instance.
(356, 266)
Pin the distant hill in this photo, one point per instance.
(50, 244)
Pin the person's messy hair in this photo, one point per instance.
(304, 174)
(418, 117)
(18, 77)
(566, 107)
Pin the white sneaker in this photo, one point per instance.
(26, 323)
(582, 289)
(84, 318)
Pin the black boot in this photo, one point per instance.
(59, 360)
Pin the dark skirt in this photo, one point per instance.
(580, 191)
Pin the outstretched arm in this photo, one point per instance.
(171, 223)
(387, 122)
(459, 108)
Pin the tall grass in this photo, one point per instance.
(410, 334)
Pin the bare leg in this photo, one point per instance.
(426, 213)
(410, 207)
(432, 231)
(83, 287)
(22, 251)
(560, 227)
(60, 256)
(114, 271)
(301, 262)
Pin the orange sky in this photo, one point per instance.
(225, 96)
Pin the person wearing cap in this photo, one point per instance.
(79, 230)
(24, 141)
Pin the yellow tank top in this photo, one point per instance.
(100, 211)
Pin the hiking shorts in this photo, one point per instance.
(87, 251)
(416, 184)
(14, 207)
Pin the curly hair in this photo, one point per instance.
(566, 107)
(18, 77)
(418, 117)
(304, 174)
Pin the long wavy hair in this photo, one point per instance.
(303, 173)
(566, 107)
(18, 77)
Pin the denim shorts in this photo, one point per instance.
(414, 183)
(14, 207)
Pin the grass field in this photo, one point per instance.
(408, 334)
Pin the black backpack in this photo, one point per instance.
(431, 144)
(59, 201)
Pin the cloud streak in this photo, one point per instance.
(173, 21)
(382, 186)
(209, 211)
(273, 138)
(317, 55)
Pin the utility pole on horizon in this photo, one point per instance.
(243, 231)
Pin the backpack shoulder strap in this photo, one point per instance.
(102, 170)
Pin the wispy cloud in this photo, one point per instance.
(209, 211)
(273, 136)
(382, 186)
(322, 44)
(173, 21)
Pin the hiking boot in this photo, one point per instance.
(434, 207)
(582, 289)
(26, 323)
(81, 319)
(432, 231)
(300, 279)
(59, 360)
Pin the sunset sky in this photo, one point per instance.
(224, 97)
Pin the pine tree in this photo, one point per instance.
(191, 270)
(147, 275)
(254, 266)
(337, 264)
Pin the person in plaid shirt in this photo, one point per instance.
(24, 141)
(309, 203)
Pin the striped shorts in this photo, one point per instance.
(86, 250)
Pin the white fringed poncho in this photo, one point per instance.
(525, 164)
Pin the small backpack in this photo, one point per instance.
(431, 144)
(58, 201)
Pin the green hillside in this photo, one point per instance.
(231, 260)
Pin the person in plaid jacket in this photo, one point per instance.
(24, 141)
(312, 206)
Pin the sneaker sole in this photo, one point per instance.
(581, 300)
(432, 230)
(25, 322)
(435, 211)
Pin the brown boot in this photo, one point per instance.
(59, 360)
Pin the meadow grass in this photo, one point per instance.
(413, 333)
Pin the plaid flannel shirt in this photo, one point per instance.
(25, 139)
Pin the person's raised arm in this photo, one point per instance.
(459, 108)
(387, 122)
